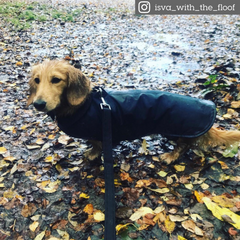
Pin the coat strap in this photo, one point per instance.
(110, 227)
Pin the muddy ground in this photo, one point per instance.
(49, 191)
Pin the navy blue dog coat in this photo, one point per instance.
(137, 113)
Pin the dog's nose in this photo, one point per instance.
(39, 105)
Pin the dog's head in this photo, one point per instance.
(54, 83)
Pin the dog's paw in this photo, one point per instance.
(169, 158)
(91, 154)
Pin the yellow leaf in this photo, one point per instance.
(10, 158)
(88, 208)
(3, 150)
(24, 127)
(33, 226)
(188, 186)
(120, 227)
(223, 165)
(51, 136)
(162, 174)
(39, 141)
(179, 168)
(99, 216)
(143, 227)
(235, 104)
(59, 168)
(3, 164)
(221, 213)
(181, 238)
(199, 196)
(49, 159)
(83, 195)
(9, 194)
(19, 63)
(169, 225)
(204, 186)
(52, 186)
(223, 201)
(40, 236)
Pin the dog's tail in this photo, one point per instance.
(215, 137)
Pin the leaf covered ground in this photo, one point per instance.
(49, 191)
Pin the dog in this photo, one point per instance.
(65, 93)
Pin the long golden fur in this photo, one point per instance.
(56, 85)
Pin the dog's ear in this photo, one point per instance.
(78, 86)
(32, 91)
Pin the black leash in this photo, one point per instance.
(110, 228)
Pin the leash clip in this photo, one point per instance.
(103, 105)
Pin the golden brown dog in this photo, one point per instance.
(56, 85)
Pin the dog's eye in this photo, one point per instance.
(37, 80)
(56, 80)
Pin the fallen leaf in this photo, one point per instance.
(162, 174)
(179, 168)
(204, 186)
(224, 201)
(232, 231)
(88, 208)
(120, 227)
(169, 225)
(19, 63)
(140, 213)
(191, 227)
(177, 218)
(3, 150)
(235, 104)
(231, 150)
(28, 210)
(223, 165)
(188, 186)
(218, 212)
(64, 139)
(84, 195)
(181, 238)
(125, 177)
(159, 190)
(63, 234)
(40, 236)
(33, 226)
(99, 216)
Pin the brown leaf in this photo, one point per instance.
(28, 210)
(125, 177)
(131, 194)
(88, 208)
(191, 226)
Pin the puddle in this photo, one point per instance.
(165, 56)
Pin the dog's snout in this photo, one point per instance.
(39, 105)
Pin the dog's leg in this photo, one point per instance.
(95, 151)
(182, 146)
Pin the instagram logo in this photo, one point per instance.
(144, 7)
